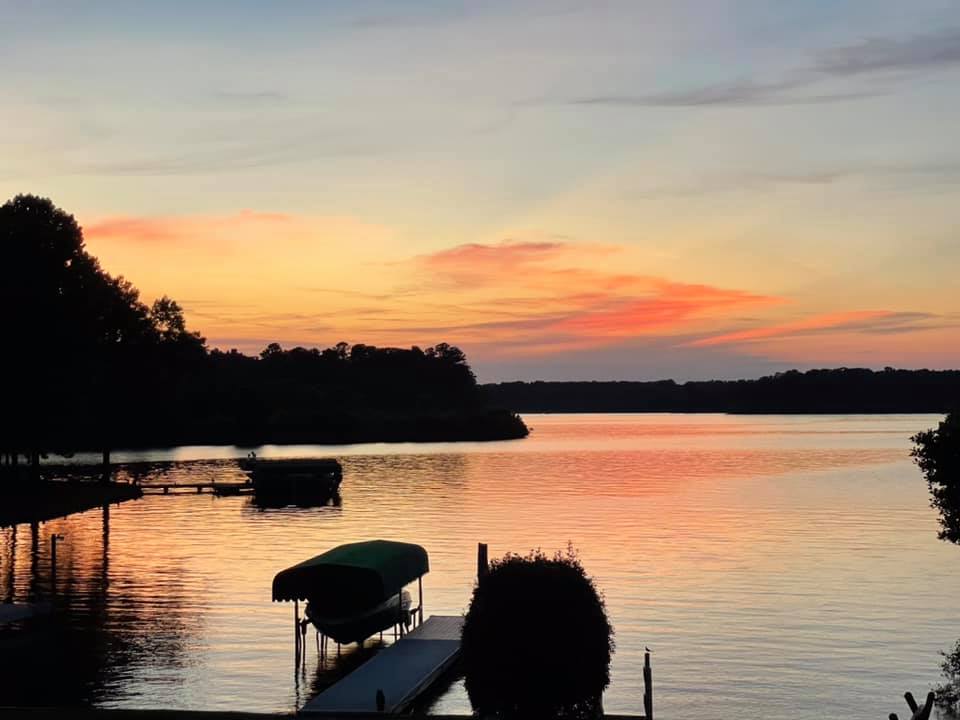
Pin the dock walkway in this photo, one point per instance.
(402, 671)
(217, 488)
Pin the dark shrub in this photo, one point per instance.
(937, 452)
(948, 692)
(536, 639)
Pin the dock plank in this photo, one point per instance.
(402, 671)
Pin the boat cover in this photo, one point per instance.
(353, 577)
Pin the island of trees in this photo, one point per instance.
(839, 390)
(90, 366)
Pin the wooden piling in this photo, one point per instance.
(647, 687)
(296, 632)
(483, 564)
(105, 466)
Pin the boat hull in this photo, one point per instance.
(359, 626)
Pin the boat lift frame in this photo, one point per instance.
(406, 620)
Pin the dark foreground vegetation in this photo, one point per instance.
(841, 390)
(546, 610)
(937, 453)
(89, 366)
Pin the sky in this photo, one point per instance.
(565, 190)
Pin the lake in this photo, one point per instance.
(777, 566)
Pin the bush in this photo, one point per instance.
(948, 693)
(536, 640)
(937, 452)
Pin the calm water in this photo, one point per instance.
(784, 567)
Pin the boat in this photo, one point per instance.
(357, 627)
(297, 480)
(357, 590)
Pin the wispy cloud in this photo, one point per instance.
(931, 50)
(166, 229)
(916, 175)
(880, 322)
(873, 56)
(741, 92)
(255, 97)
(557, 301)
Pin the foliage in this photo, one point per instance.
(937, 452)
(89, 365)
(948, 692)
(536, 639)
(839, 390)
(81, 336)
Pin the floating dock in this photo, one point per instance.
(402, 672)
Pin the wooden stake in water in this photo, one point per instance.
(296, 631)
(647, 686)
(483, 564)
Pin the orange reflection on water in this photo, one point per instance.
(746, 551)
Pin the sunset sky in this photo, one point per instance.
(566, 190)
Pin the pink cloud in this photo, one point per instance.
(158, 228)
(561, 304)
(849, 320)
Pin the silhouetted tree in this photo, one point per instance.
(839, 390)
(937, 452)
(84, 355)
(536, 640)
(85, 341)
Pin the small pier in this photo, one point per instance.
(397, 675)
(217, 488)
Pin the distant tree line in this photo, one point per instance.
(841, 390)
(88, 365)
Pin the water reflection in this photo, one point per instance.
(99, 632)
(775, 565)
(272, 503)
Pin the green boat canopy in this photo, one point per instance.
(353, 577)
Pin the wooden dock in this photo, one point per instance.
(402, 672)
(217, 488)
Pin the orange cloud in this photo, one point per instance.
(557, 302)
(672, 304)
(857, 320)
(154, 229)
(249, 278)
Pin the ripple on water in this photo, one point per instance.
(776, 565)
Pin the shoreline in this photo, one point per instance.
(48, 500)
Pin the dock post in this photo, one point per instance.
(105, 467)
(647, 687)
(483, 564)
(296, 631)
(420, 589)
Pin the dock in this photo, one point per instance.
(49, 499)
(217, 488)
(402, 672)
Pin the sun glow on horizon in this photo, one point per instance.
(632, 190)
